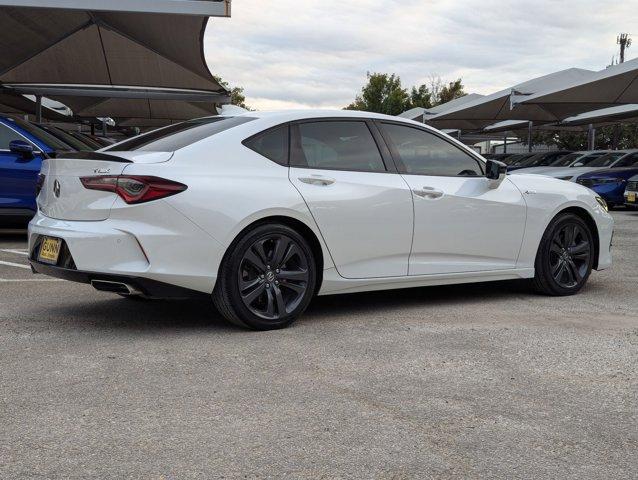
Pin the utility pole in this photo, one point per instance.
(624, 40)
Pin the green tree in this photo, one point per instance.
(382, 94)
(237, 96)
(450, 91)
(421, 96)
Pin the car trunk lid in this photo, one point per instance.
(64, 197)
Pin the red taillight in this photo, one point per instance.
(134, 188)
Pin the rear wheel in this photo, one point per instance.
(267, 278)
(565, 256)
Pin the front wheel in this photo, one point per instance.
(565, 256)
(267, 278)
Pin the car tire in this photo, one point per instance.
(565, 256)
(267, 278)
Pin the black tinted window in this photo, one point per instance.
(7, 136)
(628, 161)
(339, 145)
(272, 144)
(180, 135)
(423, 153)
(606, 160)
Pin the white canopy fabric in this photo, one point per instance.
(496, 107)
(106, 48)
(616, 85)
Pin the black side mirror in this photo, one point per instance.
(22, 148)
(496, 171)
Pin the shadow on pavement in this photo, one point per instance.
(199, 313)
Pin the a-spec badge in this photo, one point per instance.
(102, 170)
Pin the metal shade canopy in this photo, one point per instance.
(19, 105)
(420, 114)
(605, 116)
(496, 107)
(616, 85)
(70, 45)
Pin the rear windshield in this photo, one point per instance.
(180, 135)
(567, 160)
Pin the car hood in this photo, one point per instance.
(547, 187)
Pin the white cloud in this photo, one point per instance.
(300, 53)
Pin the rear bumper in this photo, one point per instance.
(153, 242)
(147, 287)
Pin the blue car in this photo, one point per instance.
(610, 183)
(22, 148)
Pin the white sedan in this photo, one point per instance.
(264, 210)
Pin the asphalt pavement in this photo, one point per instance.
(470, 381)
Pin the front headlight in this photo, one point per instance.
(602, 203)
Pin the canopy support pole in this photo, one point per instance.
(505, 143)
(104, 128)
(38, 108)
(92, 128)
(530, 126)
(591, 137)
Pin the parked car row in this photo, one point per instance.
(608, 172)
(23, 146)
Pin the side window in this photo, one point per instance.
(7, 136)
(272, 144)
(423, 153)
(337, 145)
(628, 161)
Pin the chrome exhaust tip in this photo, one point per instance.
(114, 287)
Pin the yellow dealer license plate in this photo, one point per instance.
(50, 250)
(631, 197)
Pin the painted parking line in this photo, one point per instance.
(18, 265)
(17, 251)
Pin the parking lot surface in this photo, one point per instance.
(478, 381)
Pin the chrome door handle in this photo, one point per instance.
(428, 192)
(317, 180)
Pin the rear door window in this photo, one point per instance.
(337, 145)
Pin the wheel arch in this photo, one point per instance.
(300, 227)
(586, 217)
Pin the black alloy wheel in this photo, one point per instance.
(273, 276)
(569, 255)
(267, 278)
(565, 256)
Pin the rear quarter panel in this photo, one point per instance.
(230, 187)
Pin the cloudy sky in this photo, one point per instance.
(315, 53)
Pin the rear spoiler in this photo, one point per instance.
(94, 156)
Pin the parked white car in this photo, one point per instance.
(616, 159)
(572, 160)
(264, 210)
